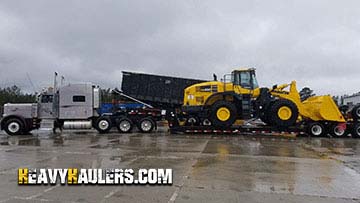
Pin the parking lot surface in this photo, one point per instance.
(206, 168)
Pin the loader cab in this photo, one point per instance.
(245, 78)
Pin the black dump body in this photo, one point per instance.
(159, 91)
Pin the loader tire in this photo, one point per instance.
(223, 114)
(283, 113)
(14, 126)
(355, 112)
(103, 124)
(355, 131)
(264, 117)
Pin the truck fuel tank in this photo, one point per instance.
(77, 124)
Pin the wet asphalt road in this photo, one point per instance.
(206, 168)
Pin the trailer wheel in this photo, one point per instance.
(192, 121)
(355, 112)
(223, 114)
(146, 125)
(124, 125)
(356, 130)
(264, 118)
(283, 113)
(14, 126)
(103, 124)
(316, 129)
(337, 131)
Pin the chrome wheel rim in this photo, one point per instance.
(103, 124)
(146, 125)
(14, 127)
(124, 126)
(339, 131)
(358, 112)
(316, 130)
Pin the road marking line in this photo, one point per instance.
(186, 176)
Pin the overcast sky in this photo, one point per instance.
(316, 43)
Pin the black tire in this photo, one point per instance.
(276, 120)
(336, 131)
(264, 117)
(14, 126)
(124, 125)
(26, 132)
(231, 108)
(355, 131)
(103, 124)
(316, 129)
(355, 112)
(146, 125)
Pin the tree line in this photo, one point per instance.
(14, 94)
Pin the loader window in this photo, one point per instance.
(245, 80)
(78, 98)
(255, 82)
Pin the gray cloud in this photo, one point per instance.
(313, 42)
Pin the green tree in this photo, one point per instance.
(14, 94)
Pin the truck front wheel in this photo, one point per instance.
(103, 125)
(14, 126)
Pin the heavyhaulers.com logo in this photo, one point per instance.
(74, 176)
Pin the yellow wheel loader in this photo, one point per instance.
(238, 98)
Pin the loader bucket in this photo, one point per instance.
(322, 108)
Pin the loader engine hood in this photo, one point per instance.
(197, 94)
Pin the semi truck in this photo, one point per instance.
(78, 106)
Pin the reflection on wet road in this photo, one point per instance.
(206, 168)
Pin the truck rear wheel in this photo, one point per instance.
(146, 125)
(14, 126)
(103, 124)
(125, 125)
(356, 130)
(316, 129)
(223, 114)
(283, 113)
